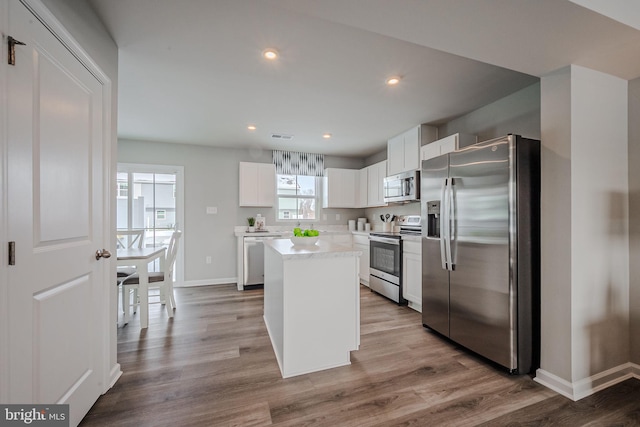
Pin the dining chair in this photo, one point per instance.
(128, 239)
(161, 280)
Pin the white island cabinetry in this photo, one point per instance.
(311, 305)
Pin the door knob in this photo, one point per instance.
(102, 253)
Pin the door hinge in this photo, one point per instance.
(12, 253)
(12, 49)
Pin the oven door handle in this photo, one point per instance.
(385, 240)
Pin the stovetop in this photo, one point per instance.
(409, 225)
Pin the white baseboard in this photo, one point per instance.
(114, 375)
(587, 386)
(206, 282)
(416, 307)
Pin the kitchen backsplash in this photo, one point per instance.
(373, 214)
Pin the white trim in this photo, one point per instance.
(114, 375)
(590, 385)
(4, 225)
(207, 282)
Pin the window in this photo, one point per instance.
(297, 197)
(154, 202)
(123, 190)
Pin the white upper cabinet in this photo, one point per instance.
(363, 188)
(446, 145)
(403, 151)
(340, 188)
(395, 154)
(257, 184)
(375, 184)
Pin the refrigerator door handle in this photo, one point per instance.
(446, 202)
(452, 224)
(443, 225)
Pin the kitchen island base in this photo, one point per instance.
(311, 305)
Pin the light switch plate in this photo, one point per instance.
(212, 210)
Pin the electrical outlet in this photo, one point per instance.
(324, 217)
(208, 260)
(337, 217)
(212, 210)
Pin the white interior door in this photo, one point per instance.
(55, 216)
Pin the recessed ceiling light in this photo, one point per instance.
(326, 135)
(270, 54)
(393, 80)
(252, 127)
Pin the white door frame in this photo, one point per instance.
(168, 169)
(108, 342)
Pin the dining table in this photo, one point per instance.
(140, 258)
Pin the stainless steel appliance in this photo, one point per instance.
(481, 251)
(402, 188)
(254, 259)
(385, 258)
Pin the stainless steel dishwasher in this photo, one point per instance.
(254, 259)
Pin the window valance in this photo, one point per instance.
(295, 163)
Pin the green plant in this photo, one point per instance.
(251, 220)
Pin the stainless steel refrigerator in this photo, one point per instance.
(481, 249)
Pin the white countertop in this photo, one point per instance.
(321, 249)
(287, 230)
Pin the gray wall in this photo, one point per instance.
(211, 179)
(584, 239)
(518, 113)
(634, 219)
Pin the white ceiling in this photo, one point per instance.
(191, 71)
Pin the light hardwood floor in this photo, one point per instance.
(213, 365)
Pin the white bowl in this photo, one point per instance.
(304, 241)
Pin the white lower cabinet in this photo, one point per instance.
(412, 273)
(361, 243)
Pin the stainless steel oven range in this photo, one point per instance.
(385, 259)
(385, 265)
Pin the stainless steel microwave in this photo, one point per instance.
(402, 188)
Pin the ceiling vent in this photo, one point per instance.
(281, 136)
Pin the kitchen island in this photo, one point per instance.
(311, 304)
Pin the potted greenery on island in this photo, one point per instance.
(252, 221)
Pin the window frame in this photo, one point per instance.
(123, 190)
(317, 197)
